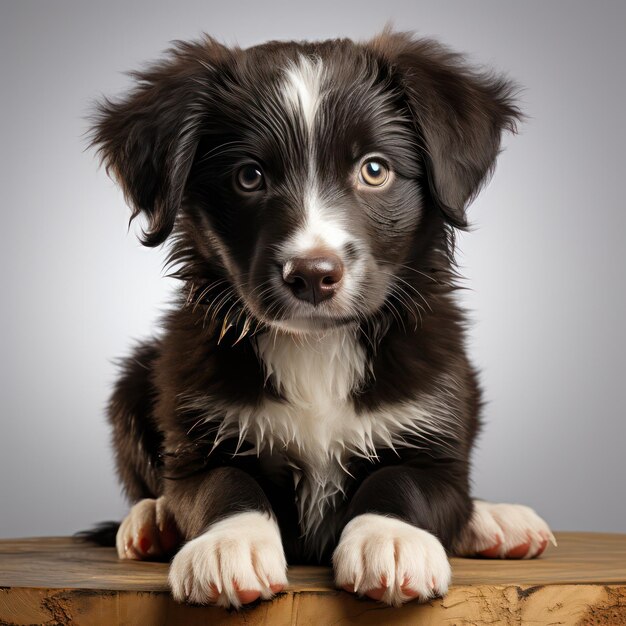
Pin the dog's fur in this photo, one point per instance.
(349, 420)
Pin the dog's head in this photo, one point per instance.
(307, 180)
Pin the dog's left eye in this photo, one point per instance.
(374, 173)
(249, 177)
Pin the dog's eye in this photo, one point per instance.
(249, 177)
(374, 173)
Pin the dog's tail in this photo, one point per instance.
(102, 534)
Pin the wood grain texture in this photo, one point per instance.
(59, 581)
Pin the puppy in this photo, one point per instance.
(310, 399)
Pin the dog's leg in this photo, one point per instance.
(505, 531)
(148, 531)
(136, 439)
(234, 554)
(402, 519)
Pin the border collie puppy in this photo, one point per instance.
(310, 399)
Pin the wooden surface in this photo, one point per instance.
(59, 581)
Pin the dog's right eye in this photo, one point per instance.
(249, 177)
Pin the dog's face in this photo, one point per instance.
(308, 178)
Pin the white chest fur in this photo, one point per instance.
(316, 423)
(316, 376)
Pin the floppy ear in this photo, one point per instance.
(148, 140)
(459, 114)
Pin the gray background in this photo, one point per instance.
(544, 263)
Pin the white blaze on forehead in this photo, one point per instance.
(303, 89)
(320, 228)
(303, 86)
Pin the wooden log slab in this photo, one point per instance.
(56, 581)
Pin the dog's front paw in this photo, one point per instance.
(236, 561)
(505, 531)
(148, 531)
(390, 560)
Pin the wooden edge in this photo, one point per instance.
(540, 604)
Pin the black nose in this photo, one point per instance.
(313, 278)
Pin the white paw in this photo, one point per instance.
(390, 560)
(147, 531)
(504, 531)
(236, 561)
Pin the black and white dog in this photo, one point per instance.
(310, 399)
